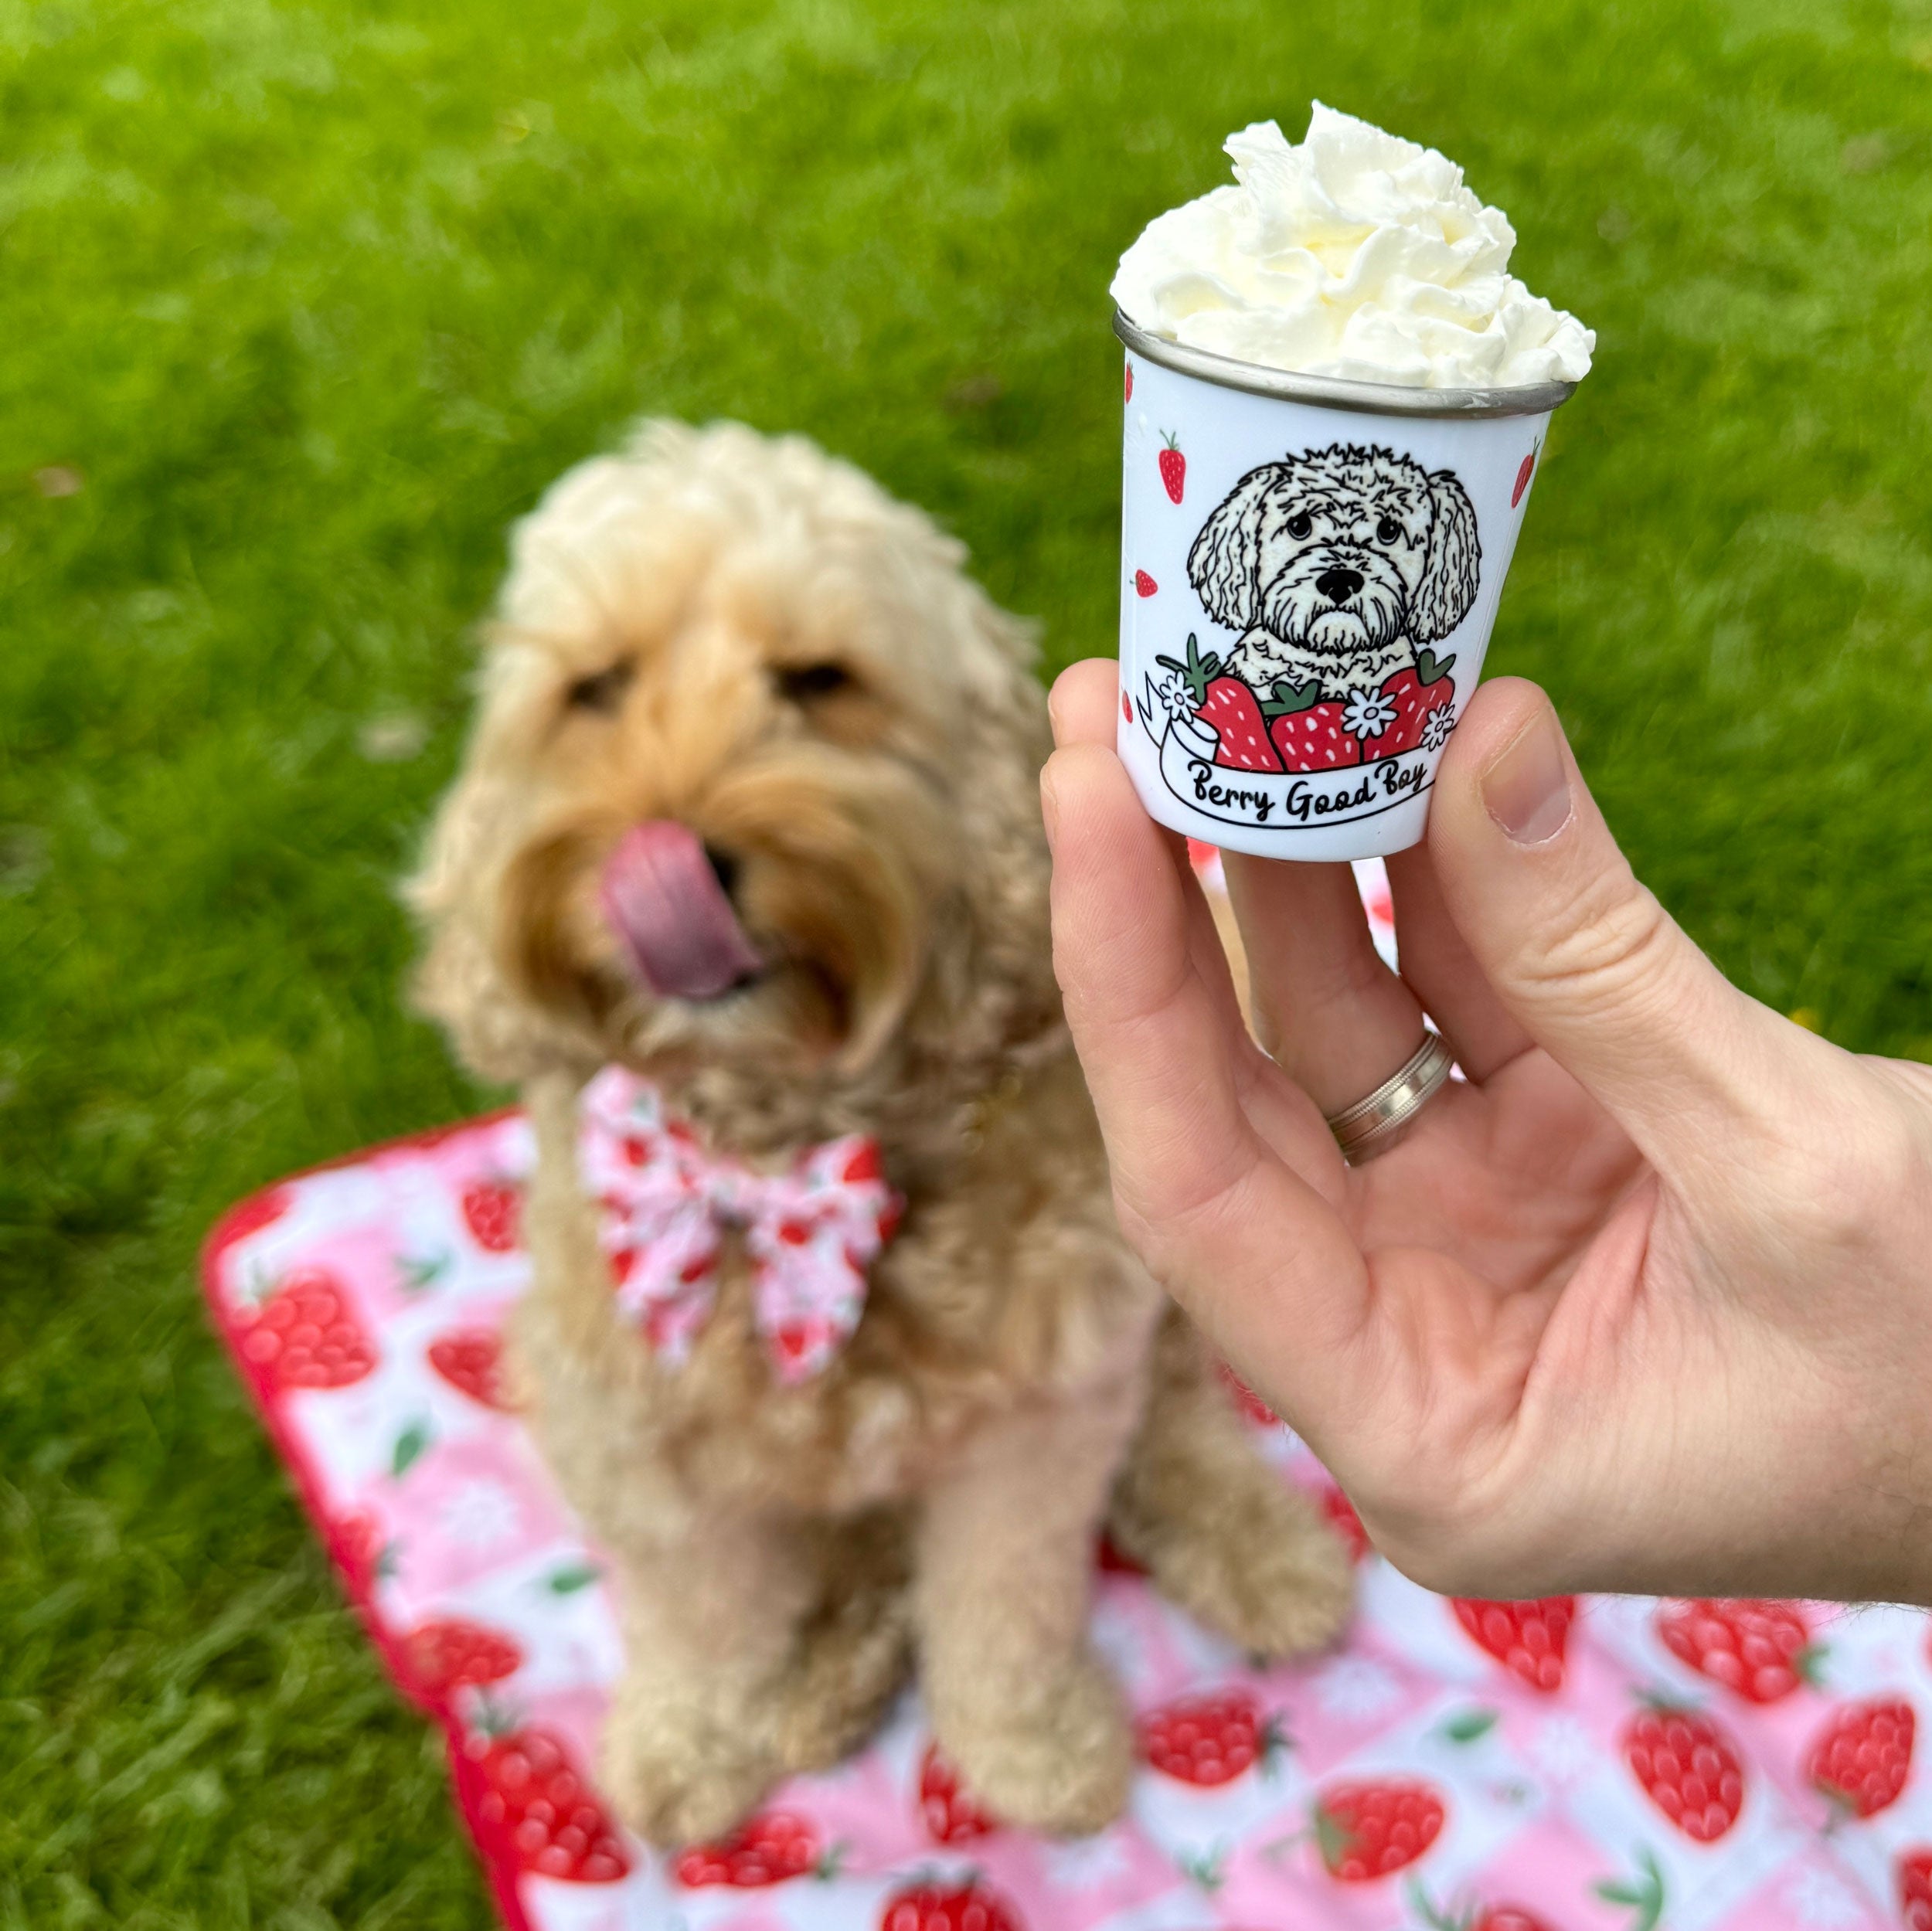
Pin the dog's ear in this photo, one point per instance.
(1452, 565)
(1225, 564)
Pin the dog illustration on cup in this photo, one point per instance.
(1338, 570)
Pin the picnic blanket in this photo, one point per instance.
(1597, 1763)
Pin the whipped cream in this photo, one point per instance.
(1356, 254)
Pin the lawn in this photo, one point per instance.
(300, 305)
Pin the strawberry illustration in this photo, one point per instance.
(942, 1906)
(951, 1816)
(1523, 474)
(1528, 1637)
(1366, 1829)
(366, 1555)
(1126, 707)
(1915, 1889)
(1144, 585)
(1250, 1404)
(1129, 396)
(1173, 466)
(1347, 1523)
(447, 1654)
(1227, 707)
(471, 1359)
(533, 1807)
(1210, 1739)
(1308, 736)
(303, 1333)
(493, 1212)
(1863, 1755)
(769, 1849)
(1475, 1917)
(1688, 1767)
(1761, 1650)
(1416, 693)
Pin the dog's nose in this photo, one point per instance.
(1337, 585)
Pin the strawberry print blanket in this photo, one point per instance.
(1572, 1764)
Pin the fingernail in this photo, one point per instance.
(1049, 808)
(1526, 789)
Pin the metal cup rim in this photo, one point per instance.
(1336, 392)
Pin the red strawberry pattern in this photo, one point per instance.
(1209, 1740)
(1495, 1917)
(471, 1359)
(447, 1654)
(769, 1849)
(1173, 466)
(1365, 1830)
(1527, 1637)
(951, 1816)
(1208, 1832)
(1417, 692)
(1227, 707)
(361, 1549)
(942, 1906)
(1129, 396)
(493, 1211)
(303, 1333)
(530, 1802)
(1313, 738)
(1915, 1889)
(1762, 1649)
(1688, 1767)
(1527, 470)
(1144, 585)
(1862, 1756)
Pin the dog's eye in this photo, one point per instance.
(1300, 524)
(1387, 530)
(602, 690)
(804, 683)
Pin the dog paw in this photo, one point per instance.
(1057, 1758)
(1277, 1581)
(678, 1774)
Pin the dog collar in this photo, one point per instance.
(666, 1203)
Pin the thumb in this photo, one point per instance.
(1594, 969)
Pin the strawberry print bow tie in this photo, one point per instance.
(666, 1203)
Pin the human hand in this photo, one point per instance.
(1645, 1304)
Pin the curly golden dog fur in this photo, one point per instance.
(748, 641)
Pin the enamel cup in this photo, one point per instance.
(1311, 569)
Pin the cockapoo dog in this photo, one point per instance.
(750, 811)
(1334, 565)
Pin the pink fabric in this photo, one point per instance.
(1604, 1763)
(667, 1202)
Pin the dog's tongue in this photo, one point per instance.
(661, 894)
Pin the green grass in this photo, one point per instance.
(309, 301)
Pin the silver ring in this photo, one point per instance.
(1373, 1125)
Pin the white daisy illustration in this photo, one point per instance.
(1436, 726)
(1565, 1752)
(1176, 698)
(1085, 1864)
(1814, 1896)
(1367, 714)
(1356, 1686)
(481, 1515)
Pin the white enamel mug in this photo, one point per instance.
(1311, 571)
